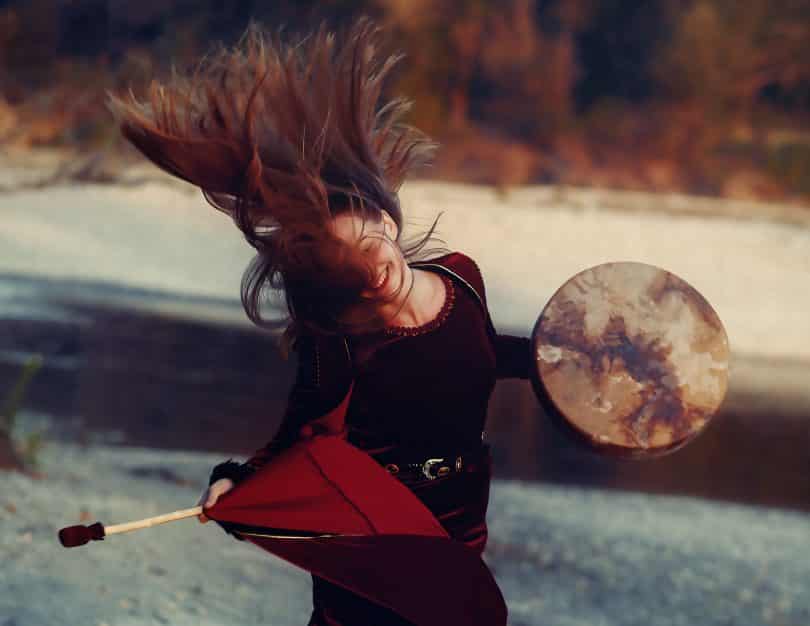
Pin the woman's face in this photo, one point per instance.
(377, 242)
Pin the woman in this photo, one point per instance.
(291, 143)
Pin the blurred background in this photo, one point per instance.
(572, 132)
(700, 96)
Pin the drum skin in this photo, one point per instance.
(630, 359)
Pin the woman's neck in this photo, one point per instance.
(419, 305)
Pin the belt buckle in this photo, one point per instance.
(427, 465)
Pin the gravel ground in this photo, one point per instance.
(562, 556)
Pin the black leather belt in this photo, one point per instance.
(433, 467)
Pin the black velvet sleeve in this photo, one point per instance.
(229, 469)
(513, 355)
(323, 377)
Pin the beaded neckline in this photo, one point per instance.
(437, 321)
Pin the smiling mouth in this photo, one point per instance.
(382, 279)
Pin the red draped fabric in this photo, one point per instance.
(377, 551)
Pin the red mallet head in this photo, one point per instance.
(73, 536)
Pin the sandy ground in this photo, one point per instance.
(562, 556)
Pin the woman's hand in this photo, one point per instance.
(212, 494)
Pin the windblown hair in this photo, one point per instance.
(283, 137)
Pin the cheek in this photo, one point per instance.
(392, 252)
(383, 255)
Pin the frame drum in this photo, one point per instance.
(630, 359)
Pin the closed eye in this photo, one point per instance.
(375, 243)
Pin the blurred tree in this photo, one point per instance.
(442, 56)
(569, 84)
(615, 49)
(29, 50)
(530, 66)
(722, 54)
(514, 84)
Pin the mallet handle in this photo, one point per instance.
(153, 521)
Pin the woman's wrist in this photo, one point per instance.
(230, 469)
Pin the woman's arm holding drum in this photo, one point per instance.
(513, 356)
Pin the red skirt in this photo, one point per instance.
(459, 502)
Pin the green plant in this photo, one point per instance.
(32, 443)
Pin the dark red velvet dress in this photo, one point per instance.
(418, 393)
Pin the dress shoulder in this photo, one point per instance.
(466, 267)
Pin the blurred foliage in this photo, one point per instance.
(26, 447)
(723, 58)
(656, 95)
(724, 53)
(790, 163)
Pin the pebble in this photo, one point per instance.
(746, 595)
(157, 570)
